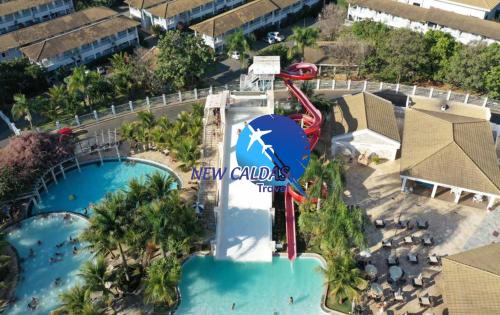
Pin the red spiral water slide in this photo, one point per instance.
(311, 121)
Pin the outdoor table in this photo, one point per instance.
(395, 272)
(387, 243)
(425, 300)
(412, 258)
(392, 260)
(408, 240)
(428, 241)
(371, 270)
(433, 259)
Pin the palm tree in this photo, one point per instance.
(96, 275)
(112, 218)
(147, 119)
(57, 102)
(160, 285)
(98, 243)
(75, 300)
(188, 152)
(303, 37)
(22, 108)
(137, 193)
(158, 185)
(237, 41)
(344, 279)
(77, 83)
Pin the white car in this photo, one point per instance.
(235, 55)
(274, 37)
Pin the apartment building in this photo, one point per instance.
(465, 29)
(16, 14)
(483, 9)
(11, 43)
(84, 44)
(250, 17)
(168, 15)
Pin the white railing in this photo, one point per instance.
(166, 100)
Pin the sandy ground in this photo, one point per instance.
(454, 227)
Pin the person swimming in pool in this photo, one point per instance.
(233, 306)
(290, 300)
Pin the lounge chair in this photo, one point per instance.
(379, 223)
(418, 282)
(387, 243)
(428, 240)
(433, 260)
(392, 260)
(398, 296)
(408, 240)
(403, 224)
(425, 301)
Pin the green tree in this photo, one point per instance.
(77, 301)
(442, 46)
(303, 37)
(161, 282)
(492, 82)
(57, 103)
(96, 276)
(278, 50)
(373, 32)
(22, 109)
(241, 43)
(344, 279)
(183, 59)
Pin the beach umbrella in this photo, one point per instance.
(198, 207)
(395, 273)
(65, 131)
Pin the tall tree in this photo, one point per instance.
(183, 59)
(95, 274)
(241, 43)
(303, 37)
(77, 301)
(161, 281)
(22, 109)
(344, 279)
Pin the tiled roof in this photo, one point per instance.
(19, 5)
(86, 35)
(53, 27)
(176, 7)
(365, 111)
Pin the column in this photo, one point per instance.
(403, 186)
(77, 164)
(491, 203)
(62, 171)
(118, 153)
(434, 190)
(44, 184)
(458, 194)
(53, 175)
(100, 156)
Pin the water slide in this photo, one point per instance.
(311, 121)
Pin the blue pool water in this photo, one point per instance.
(210, 287)
(91, 185)
(38, 277)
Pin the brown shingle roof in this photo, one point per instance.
(143, 4)
(19, 5)
(365, 111)
(233, 19)
(471, 281)
(452, 20)
(176, 7)
(53, 27)
(86, 35)
(437, 144)
(483, 4)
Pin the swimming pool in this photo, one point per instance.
(210, 287)
(37, 279)
(91, 185)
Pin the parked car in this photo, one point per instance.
(235, 55)
(274, 37)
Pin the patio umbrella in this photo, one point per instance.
(371, 270)
(376, 288)
(395, 272)
(198, 207)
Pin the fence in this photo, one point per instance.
(319, 84)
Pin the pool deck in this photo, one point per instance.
(244, 232)
(454, 227)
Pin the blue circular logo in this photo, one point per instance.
(276, 143)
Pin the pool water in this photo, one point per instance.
(38, 277)
(210, 287)
(92, 184)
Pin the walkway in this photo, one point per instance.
(245, 229)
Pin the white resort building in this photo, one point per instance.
(244, 214)
(450, 148)
(85, 44)
(365, 124)
(11, 43)
(465, 29)
(483, 9)
(249, 17)
(16, 14)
